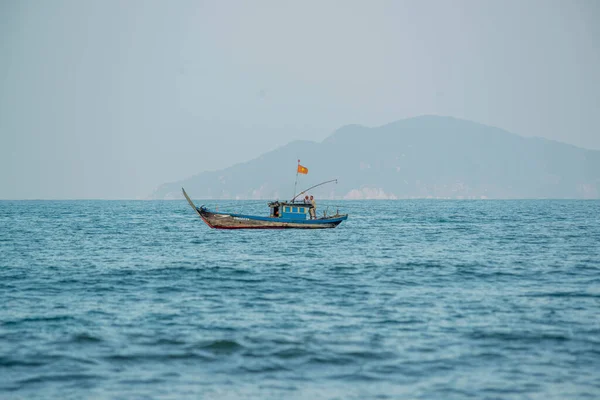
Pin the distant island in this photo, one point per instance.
(422, 157)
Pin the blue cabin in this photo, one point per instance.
(293, 211)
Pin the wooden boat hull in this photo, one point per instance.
(239, 221)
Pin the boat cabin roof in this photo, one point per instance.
(289, 204)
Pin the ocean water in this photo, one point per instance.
(407, 299)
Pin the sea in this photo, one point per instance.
(407, 299)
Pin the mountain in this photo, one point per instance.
(426, 156)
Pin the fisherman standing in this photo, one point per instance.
(313, 209)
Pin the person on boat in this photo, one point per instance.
(306, 201)
(313, 209)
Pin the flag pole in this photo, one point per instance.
(296, 183)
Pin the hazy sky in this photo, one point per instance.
(109, 99)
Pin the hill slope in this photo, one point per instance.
(426, 156)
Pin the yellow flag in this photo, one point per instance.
(302, 170)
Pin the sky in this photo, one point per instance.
(109, 99)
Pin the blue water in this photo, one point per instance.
(406, 299)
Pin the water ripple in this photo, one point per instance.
(406, 299)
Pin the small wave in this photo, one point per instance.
(11, 362)
(389, 369)
(85, 337)
(409, 322)
(141, 381)
(481, 271)
(219, 346)
(292, 353)
(565, 294)
(370, 355)
(330, 360)
(168, 289)
(58, 378)
(238, 271)
(58, 318)
(357, 377)
(412, 265)
(139, 358)
(165, 342)
(519, 336)
(259, 369)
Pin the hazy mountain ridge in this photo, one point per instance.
(426, 156)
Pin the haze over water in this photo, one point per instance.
(110, 99)
(406, 299)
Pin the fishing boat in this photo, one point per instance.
(283, 214)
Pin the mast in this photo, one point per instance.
(296, 183)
